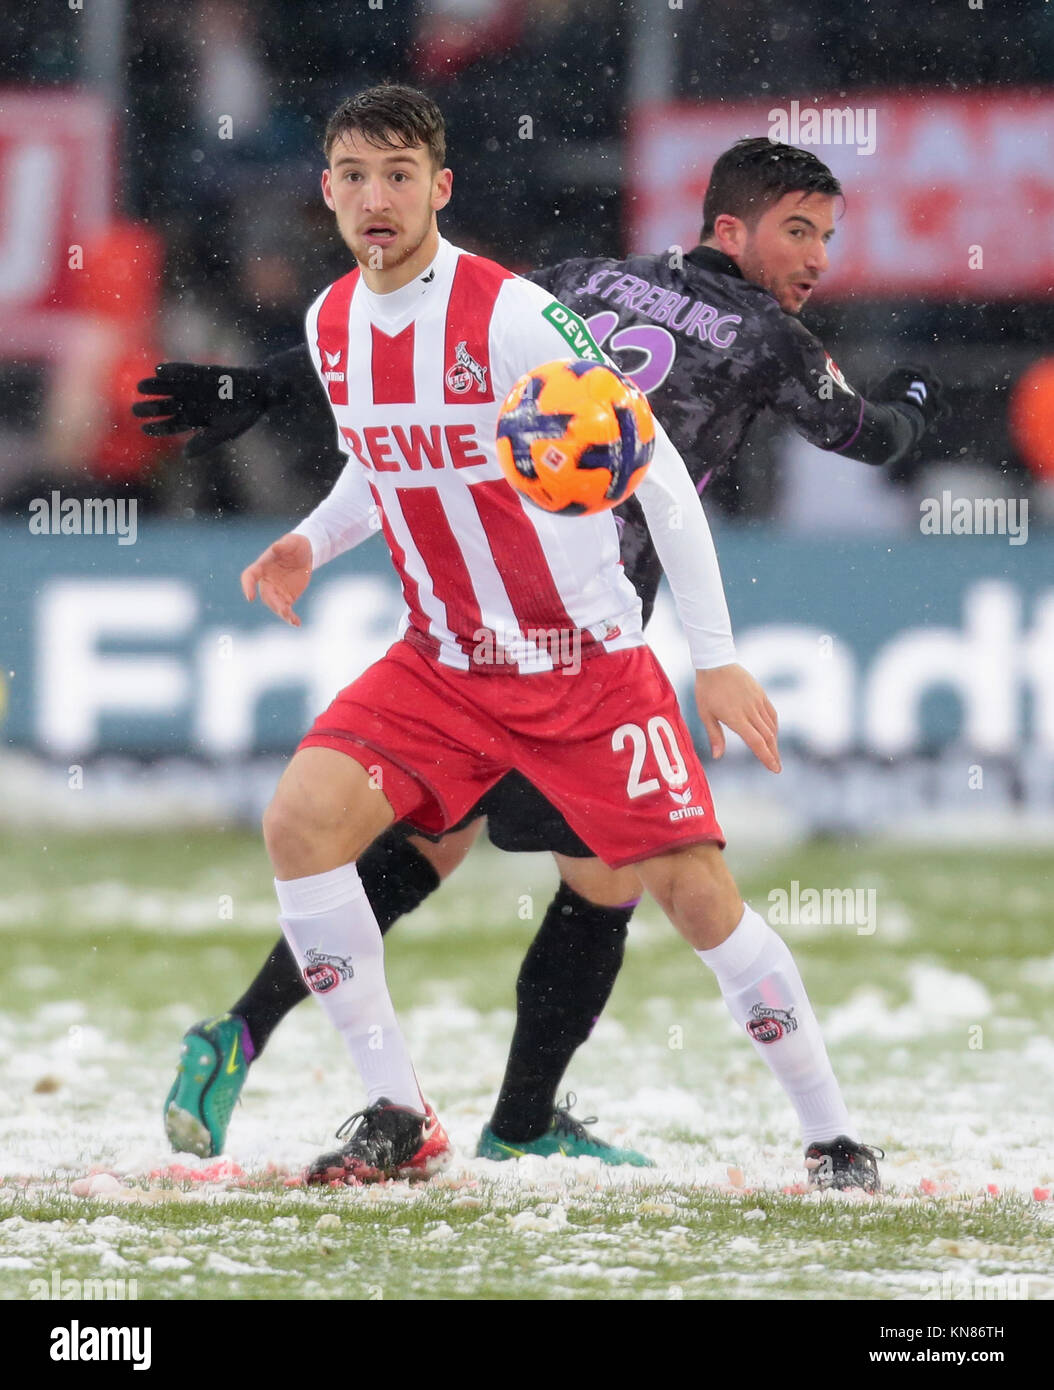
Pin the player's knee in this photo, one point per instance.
(275, 827)
(287, 828)
(694, 883)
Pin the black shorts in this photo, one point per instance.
(520, 819)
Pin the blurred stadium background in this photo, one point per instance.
(158, 170)
(914, 673)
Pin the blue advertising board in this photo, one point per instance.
(886, 647)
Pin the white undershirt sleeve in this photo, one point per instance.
(344, 519)
(685, 546)
(349, 515)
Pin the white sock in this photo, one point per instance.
(332, 932)
(765, 994)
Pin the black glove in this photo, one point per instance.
(915, 386)
(219, 402)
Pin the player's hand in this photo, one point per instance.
(219, 402)
(730, 695)
(281, 575)
(917, 386)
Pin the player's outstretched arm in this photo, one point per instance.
(725, 693)
(685, 548)
(904, 405)
(812, 395)
(342, 520)
(280, 575)
(731, 696)
(221, 402)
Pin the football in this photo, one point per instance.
(575, 437)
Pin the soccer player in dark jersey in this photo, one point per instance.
(713, 337)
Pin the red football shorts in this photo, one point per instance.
(607, 746)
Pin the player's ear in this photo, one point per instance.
(730, 234)
(442, 188)
(327, 191)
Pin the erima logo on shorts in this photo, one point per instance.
(769, 1025)
(324, 972)
(685, 812)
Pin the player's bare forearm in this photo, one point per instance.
(280, 575)
(731, 696)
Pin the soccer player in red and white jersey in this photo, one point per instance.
(416, 350)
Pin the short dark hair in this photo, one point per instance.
(391, 117)
(757, 172)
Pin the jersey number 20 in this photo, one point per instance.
(664, 747)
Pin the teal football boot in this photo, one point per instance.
(566, 1136)
(209, 1079)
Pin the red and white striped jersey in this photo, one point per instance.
(415, 380)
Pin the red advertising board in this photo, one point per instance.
(949, 195)
(56, 191)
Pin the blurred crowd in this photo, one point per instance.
(227, 240)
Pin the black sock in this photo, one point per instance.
(566, 979)
(396, 877)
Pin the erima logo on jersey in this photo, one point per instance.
(464, 370)
(332, 358)
(917, 392)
